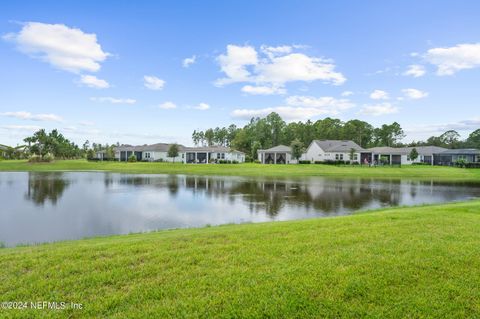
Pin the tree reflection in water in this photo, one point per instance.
(43, 187)
(272, 196)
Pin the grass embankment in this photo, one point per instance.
(421, 172)
(417, 262)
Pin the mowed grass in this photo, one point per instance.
(406, 171)
(417, 262)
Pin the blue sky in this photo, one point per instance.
(117, 71)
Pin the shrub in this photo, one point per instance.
(48, 157)
(257, 161)
(132, 158)
(318, 162)
(304, 162)
(420, 164)
(472, 165)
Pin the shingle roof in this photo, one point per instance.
(158, 147)
(278, 148)
(421, 150)
(213, 149)
(389, 150)
(463, 151)
(338, 145)
(163, 147)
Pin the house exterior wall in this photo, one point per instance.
(315, 153)
(153, 156)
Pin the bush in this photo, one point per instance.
(472, 165)
(421, 164)
(48, 157)
(34, 158)
(304, 162)
(132, 158)
(257, 161)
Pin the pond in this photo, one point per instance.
(45, 207)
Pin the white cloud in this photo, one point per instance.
(65, 48)
(347, 93)
(453, 59)
(189, 61)
(414, 94)
(86, 123)
(113, 100)
(379, 95)
(168, 105)
(297, 67)
(263, 90)
(379, 109)
(275, 51)
(299, 108)
(276, 67)
(202, 106)
(415, 70)
(234, 64)
(94, 82)
(30, 128)
(33, 117)
(153, 83)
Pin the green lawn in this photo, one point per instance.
(417, 262)
(424, 172)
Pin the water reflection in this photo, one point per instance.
(39, 207)
(43, 187)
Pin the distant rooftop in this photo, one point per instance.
(338, 145)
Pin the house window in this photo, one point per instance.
(183, 155)
(223, 155)
(339, 157)
(355, 157)
(147, 155)
(218, 155)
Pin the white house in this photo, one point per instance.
(335, 150)
(280, 154)
(159, 153)
(213, 154)
(401, 155)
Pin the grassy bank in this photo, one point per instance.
(394, 263)
(423, 172)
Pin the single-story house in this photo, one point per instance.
(209, 154)
(3, 150)
(159, 152)
(279, 154)
(450, 157)
(101, 155)
(336, 150)
(401, 155)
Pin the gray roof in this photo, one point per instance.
(421, 150)
(159, 147)
(163, 147)
(460, 151)
(278, 148)
(338, 145)
(389, 150)
(212, 149)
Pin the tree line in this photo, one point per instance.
(272, 130)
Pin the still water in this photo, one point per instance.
(44, 207)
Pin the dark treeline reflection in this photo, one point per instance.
(328, 196)
(43, 187)
(318, 194)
